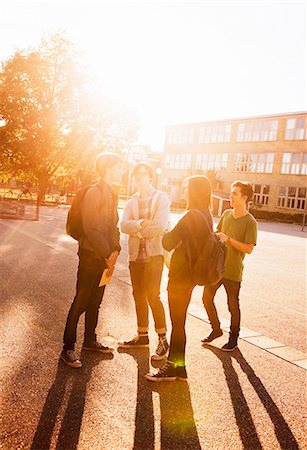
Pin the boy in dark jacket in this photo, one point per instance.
(98, 249)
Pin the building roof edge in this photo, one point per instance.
(237, 119)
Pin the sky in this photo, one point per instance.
(177, 61)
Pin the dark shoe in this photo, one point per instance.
(69, 358)
(230, 346)
(213, 335)
(138, 342)
(97, 347)
(166, 373)
(181, 373)
(161, 350)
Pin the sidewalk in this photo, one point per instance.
(197, 310)
(250, 399)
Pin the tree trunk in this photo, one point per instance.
(42, 186)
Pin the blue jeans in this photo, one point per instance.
(146, 280)
(232, 289)
(87, 299)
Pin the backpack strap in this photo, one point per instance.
(154, 207)
(205, 219)
(154, 203)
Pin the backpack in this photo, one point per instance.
(208, 269)
(74, 226)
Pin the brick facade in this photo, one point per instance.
(250, 145)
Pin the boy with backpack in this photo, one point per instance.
(238, 229)
(93, 220)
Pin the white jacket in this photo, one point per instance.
(131, 224)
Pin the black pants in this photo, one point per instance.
(232, 289)
(178, 298)
(87, 299)
(146, 280)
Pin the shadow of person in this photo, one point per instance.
(69, 383)
(178, 429)
(282, 430)
(244, 420)
(144, 434)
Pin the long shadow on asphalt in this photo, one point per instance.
(144, 434)
(178, 429)
(247, 429)
(71, 382)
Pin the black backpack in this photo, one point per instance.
(74, 226)
(208, 269)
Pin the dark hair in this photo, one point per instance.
(146, 166)
(245, 188)
(105, 161)
(199, 192)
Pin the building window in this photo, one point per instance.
(180, 136)
(261, 194)
(137, 156)
(294, 163)
(254, 162)
(210, 161)
(241, 163)
(264, 130)
(304, 164)
(296, 129)
(211, 134)
(292, 197)
(166, 188)
(178, 160)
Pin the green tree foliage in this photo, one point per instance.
(53, 122)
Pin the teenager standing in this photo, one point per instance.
(98, 249)
(187, 238)
(145, 219)
(238, 229)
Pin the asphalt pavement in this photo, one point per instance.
(249, 399)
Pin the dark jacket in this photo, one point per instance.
(99, 219)
(192, 231)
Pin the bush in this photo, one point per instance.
(275, 216)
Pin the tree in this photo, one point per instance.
(52, 121)
(214, 177)
(216, 181)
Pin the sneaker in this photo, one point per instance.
(181, 373)
(166, 373)
(161, 350)
(97, 347)
(213, 335)
(230, 346)
(137, 342)
(69, 358)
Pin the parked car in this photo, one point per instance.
(11, 208)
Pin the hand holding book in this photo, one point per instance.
(106, 276)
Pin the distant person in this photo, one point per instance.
(238, 229)
(98, 249)
(187, 238)
(145, 219)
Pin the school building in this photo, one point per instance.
(270, 152)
